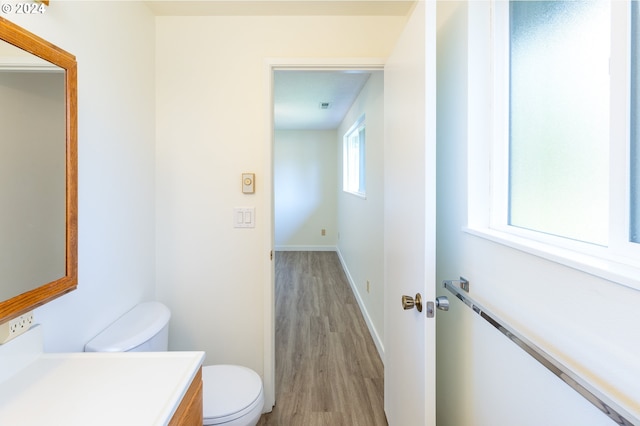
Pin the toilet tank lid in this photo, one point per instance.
(132, 329)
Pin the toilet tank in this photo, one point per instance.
(145, 328)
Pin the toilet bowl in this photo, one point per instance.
(232, 395)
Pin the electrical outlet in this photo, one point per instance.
(368, 286)
(323, 232)
(15, 327)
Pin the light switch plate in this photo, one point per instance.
(244, 217)
(248, 183)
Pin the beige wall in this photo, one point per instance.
(305, 184)
(212, 125)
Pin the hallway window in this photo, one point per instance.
(353, 159)
(634, 232)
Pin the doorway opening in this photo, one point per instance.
(310, 112)
(312, 108)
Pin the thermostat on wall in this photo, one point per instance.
(248, 183)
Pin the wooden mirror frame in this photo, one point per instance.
(25, 302)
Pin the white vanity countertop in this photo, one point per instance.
(98, 389)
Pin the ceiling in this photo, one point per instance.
(315, 100)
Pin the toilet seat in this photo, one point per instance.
(229, 393)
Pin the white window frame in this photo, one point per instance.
(357, 187)
(488, 144)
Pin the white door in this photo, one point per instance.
(410, 188)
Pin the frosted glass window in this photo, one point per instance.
(559, 118)
(635, 122)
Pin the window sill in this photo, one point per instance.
(617, 272)
(357, 194)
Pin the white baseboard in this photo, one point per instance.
(367, 318)
(306, 248)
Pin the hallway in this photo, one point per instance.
(328, 371)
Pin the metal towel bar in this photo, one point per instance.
(604, 404)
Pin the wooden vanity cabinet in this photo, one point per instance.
(189, 412)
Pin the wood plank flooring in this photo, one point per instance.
(328, 371)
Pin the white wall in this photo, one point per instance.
(361, 220)
(589, 323)
(305, 184)
(213, 124)
(114, 46)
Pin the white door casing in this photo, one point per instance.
(410, 190)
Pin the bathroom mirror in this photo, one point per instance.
(38, 171)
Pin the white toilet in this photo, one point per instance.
(232, 395)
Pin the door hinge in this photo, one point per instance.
(271, 255)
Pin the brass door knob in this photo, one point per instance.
(409, 302)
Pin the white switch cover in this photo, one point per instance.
(244, 217)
